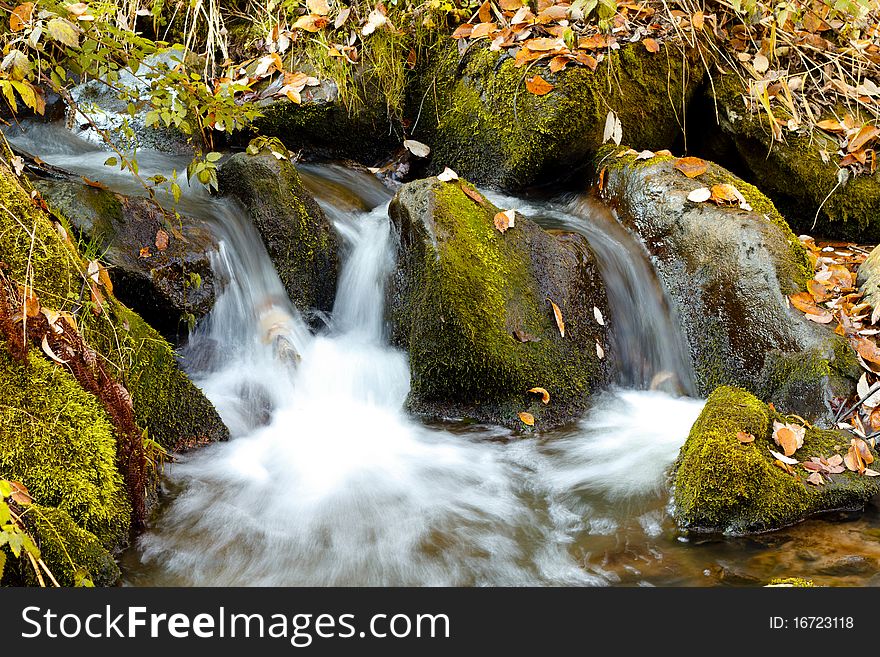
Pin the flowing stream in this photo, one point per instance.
(328, 481)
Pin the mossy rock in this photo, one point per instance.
(299, 238)
(67, 549)
(793, 173)
(471, 306)
(166, 403)
(476, 114)
(727, 272)
(723, 485)
(169, 288)
(59, 442)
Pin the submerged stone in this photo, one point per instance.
(472, 306)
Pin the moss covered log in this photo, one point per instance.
(727, 272)
(472, 307)
(723, 485)
(475, 112)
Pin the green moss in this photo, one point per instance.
(482, 121)
(723, 485)
(57, 440)
(67, 548)
(794, 174)
(469, 292)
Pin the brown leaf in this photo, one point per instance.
(505, 220)
(558, 63)
(21, 16)
(30, 304)
(523, 336)
(818, 291)
(832, 126)
(539, 86)
(587, 60)
(835, 460)
(485, 12)
(816, 479)
(161, 240)
(94, 183)
(651, 45)
(744, 437)
(853, 462)
(724, 193)
(510, 5)
(866, 134)
(473, 194)
(691, 166)
(544, 44)
(483, 29)
(545, 396)
(867, 349)
(864, 451)
(527, 418)
(788, 436)
(20, 494)
(463, 31)
(559, 321)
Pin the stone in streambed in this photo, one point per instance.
(472, 308)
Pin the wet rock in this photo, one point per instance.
(727, 272)
(802, 182)
(298, 236)
(471, 306)
(722, 485)
(477, 116)
(869, 278)
(172, 287)
(854, 564)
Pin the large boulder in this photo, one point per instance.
(802, 183)
(471, 305)
(171, 287)
(727, 272)
(724, 485)
(476, 114)
(299, 238)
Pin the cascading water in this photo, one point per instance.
(327, 481)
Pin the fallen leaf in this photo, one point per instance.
(473, 194)
(867, 133)
(691, 166)
(700, 195)
(483, 29)
(558, 315)
(816, 479)
(447, 175)
(871, 473)
(21, 16)
(760, 63)
(613, 129)
(310, 23)
(645, 155)
(48, 351)
(30, 303)
(558, 63)
(788, 436)
(527, 418)
(867, 349)
(539, 86)
(145, 252)
(545, 396)
(744, 437)
(523, 336)
(600, 352)
(510, 5)
(20, 494)
(651, 45)
(319, 7)
(783, 458)
(417, 148)
(504, 220)
(724, 193)
(161, 240)
(598, 315)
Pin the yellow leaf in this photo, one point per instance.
(527, 418)
(21, 16)
(545, 396)
(560, 323)
(64, 31)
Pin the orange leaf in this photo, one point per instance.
(483, 29)
(545, 396)
(463, 31)
(504, 220)
(559, 321)
(473, 194)
(651, 45)
(527, 418)
(145, 252)
(589, 61)
(485, 12)
(161, 240)
(866, 134)
(538, 86)
(20, 494)
(832, 126)
(866, 349)
(724, 193)
(744, 437)
(21, 16)
(510, 5)
(558, 63)
(691, 166)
